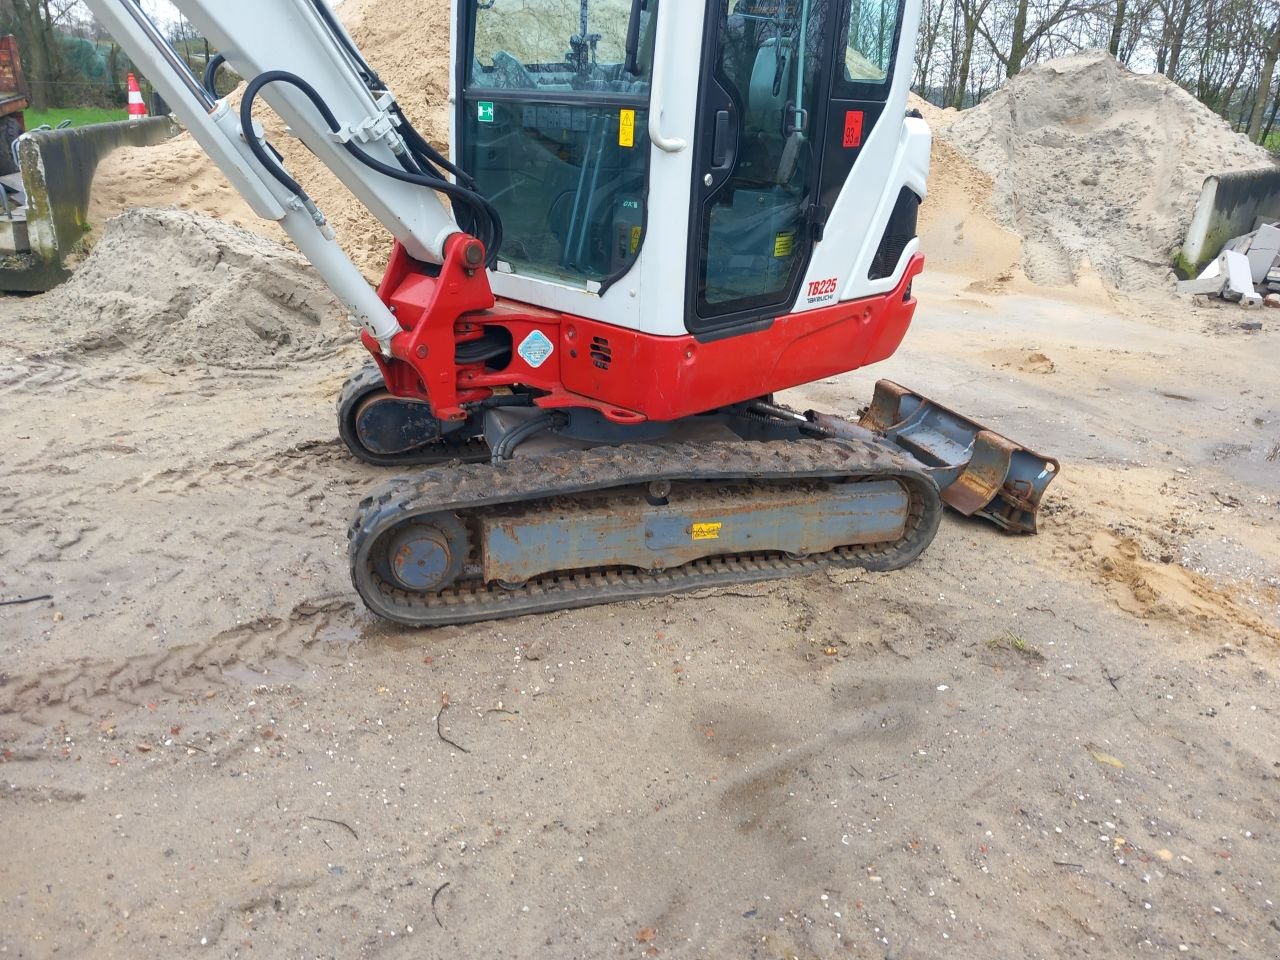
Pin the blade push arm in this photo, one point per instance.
(296, 55)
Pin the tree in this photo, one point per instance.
(1028, 27)
(971, 12)
(1270, 53)
(1117, 28)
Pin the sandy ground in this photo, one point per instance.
(1058, 746)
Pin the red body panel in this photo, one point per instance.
(628, 376)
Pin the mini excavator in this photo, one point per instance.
(654, 216)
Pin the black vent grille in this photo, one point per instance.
(899, 232)
(601, 352)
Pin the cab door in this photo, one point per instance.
(762, 115)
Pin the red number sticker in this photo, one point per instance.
(823, 289)
(852, 129)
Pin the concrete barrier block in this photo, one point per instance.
(58, 167)
(1229, 205)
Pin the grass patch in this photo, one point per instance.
(1011, 641)
(79, 116)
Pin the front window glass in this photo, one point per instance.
(555, 131)
(869, 49)
(549, 45)
(568, 180)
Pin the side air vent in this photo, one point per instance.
(900, 231)
(601, 352)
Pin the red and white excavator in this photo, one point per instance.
(654, 216)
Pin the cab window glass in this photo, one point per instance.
(561, 45)
(870, 43)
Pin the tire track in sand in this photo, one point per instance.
(267, 650)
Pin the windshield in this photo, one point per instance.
(548, 45)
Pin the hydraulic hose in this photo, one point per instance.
(251, 138)
(506, 447)
(211, 74)
(417, 143)
(368, 74)
(486, 221)
(481, 209)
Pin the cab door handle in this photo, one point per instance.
(657, 86)
(724, 144)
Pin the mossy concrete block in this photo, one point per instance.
(1229, 205)
(58, 167)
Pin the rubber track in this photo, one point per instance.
(368, 379)
(465, 489)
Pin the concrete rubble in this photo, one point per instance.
(1247, 270)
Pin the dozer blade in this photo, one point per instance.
(979, 472)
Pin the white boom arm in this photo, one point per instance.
(257, 37)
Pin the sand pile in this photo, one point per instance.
(957, 232)
(174, 174)
(187, 288)
(1093, 165)
(410, 50)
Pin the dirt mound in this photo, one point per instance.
(957, 232)
(187, 288)
(1093, 165)
(408, 48)
(174, 174)
(937, 117)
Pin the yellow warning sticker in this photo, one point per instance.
(635, 239)
(627, 128)
(707, 531)
(783, 244)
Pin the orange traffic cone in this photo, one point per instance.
(137, 109)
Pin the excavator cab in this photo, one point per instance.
(554, 111)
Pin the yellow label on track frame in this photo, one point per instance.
(627, 128)
(707, 531)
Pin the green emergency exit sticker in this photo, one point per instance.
(484, 111)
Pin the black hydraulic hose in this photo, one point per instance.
(211, 74)
(370, 75)
(480, 208)
(507, 445)
(251, 138)
(418, 143)
(478, 205)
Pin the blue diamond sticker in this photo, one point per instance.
(535, 348)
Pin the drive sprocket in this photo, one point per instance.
(388, 431)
